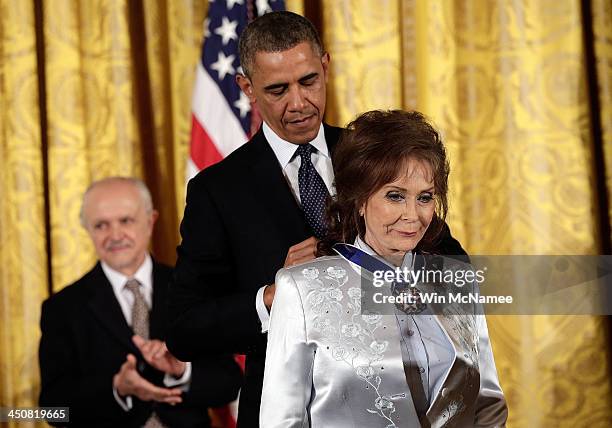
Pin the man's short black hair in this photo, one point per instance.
(275, 32)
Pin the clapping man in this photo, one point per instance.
(102, 352)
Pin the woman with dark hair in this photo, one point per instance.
(337, 359)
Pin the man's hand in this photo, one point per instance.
(302, 252)
(128, 382)
(157, 355)
(298, 253)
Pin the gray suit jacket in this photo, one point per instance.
(330, 365)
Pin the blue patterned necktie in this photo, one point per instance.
(313, 191)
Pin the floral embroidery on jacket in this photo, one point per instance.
(350, 335)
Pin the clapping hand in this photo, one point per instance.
(129, 382)
(156, 354)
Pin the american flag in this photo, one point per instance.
(222, 119)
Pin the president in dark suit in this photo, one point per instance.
(102, 352)
(260, 209)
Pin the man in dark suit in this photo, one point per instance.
(259, 209)
(101, 351)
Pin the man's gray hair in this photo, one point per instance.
(275, 32)
(145, 195)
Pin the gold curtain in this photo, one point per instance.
(364, 40)
(23, 258)
(117, 78)
(602, 29)
(507, 84)
(505, 81)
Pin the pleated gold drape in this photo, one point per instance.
(23, 258)
(507, 82)
(602, 34)
(116, 78)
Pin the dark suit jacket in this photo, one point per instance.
(85, 340)
(240, 220)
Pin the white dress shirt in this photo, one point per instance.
(290, 165)
(144, 275)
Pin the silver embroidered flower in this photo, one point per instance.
(324, 325)
(335, 294)
(321, 324)
(316, 299)
(326, 306)
(351, 329)
(354, 293)
(366, 372)
(336, 272)
(329, 332)
(310, 273)
(384, 403)
(371, 317)
(378, 347)
(339, 353)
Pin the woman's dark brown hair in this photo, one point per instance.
(372, 152)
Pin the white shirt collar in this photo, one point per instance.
(361, 244)
(284, 150)
(144, 275)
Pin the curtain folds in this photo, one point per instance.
(118, 78)
(23, 275)
(510, 84)
(601, 11)
(363, 38)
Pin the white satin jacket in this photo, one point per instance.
(330, 365)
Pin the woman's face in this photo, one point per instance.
(398, 214)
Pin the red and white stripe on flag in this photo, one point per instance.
(222, 117)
